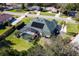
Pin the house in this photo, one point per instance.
(52, 9)
(6, 18)
(40, 27)
(34, 8)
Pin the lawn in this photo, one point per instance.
(27, 19)
(4, 30)
(15, 16)
(41, 42)
(63, 16)
(33, 12)
(19, 43)
(21, 11)
(47, 14)
(72, 28)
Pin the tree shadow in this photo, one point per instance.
(5, 43)
(20, 26)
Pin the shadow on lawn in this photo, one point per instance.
(5, 43)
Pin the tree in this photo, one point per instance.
(6, 51)
(37, 50)
(23, 6)
(59, 48)
(70, 7)
(77, 6)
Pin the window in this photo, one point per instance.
(37, 25)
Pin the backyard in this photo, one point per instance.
(73, 28)
(19, 43)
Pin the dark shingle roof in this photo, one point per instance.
(4, 17)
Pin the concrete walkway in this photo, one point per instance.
(19, 19)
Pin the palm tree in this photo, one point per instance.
(23, 6)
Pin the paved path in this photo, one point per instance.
(69, 19)
(19, 19)
(13, 13)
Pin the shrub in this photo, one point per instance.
(77, 19)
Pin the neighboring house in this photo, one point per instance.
(40, 27)
(6, 18)
(52, 9)
(10, 6)
(34, 8)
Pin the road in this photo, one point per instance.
(69, 19)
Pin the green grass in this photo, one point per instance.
(15, 16)
(33, 12)
(19, 43)
(63, 16)
(27, 19)
(76, 19)
(47, 14)
(41, 42)
(4, 30)
(21, 11)
(72, 28)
